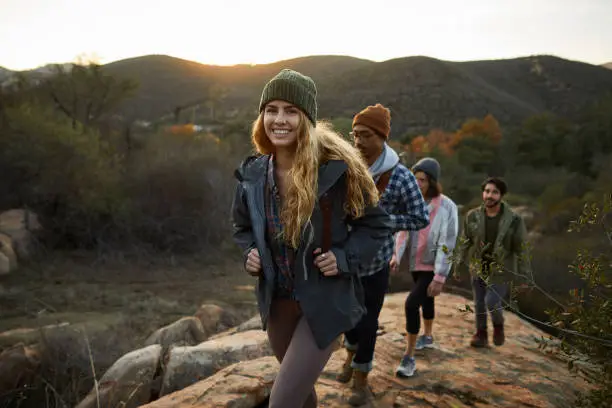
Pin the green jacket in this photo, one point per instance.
(510, 250)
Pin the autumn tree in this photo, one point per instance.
(476, 144)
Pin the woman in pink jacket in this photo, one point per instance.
(430, 249)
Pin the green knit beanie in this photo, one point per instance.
(295, 88)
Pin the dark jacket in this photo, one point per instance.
(331, 305)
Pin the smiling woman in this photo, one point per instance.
(305, 215)
(281, 121)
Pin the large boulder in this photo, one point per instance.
(186, 331)
(8, 258)
(450, 375)
(214, 318)
(131, 382)
(253, 323)
(243, 385)
(21, 226)
(18, 367)
(28, 335)
(187, 365)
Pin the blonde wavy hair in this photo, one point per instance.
(315, 146)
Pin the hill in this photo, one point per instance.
(166, 82)
(607, 65)
(5, 74)
(422, 92)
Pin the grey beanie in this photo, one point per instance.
(429, 166)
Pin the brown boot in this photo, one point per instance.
(360, 393)
(347, 371)
(498, 335)
(480, 339)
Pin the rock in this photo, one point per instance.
(18, 366)
(242, 385)
(130, 382)
(185, 331)
(28, 335)
(20, 225)
(187, 365)
(253, 323)
(450, 375)
(8, 258)
(214, 318)
(5, 265)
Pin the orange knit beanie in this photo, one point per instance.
(377, 118)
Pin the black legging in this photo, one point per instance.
(418, 298)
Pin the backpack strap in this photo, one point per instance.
(326, 210)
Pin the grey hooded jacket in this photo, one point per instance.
(331, 305)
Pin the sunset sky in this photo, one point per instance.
(224, 32)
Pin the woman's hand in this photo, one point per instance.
(393, 265)
(326, 262)
(434, 288)
(253, 263)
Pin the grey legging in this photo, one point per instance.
(301, 360)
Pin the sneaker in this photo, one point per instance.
(424, 342)
(498, 335)
(407, 367)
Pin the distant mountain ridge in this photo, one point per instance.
(422, 92)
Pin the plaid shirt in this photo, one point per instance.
(283, 255)
(407, 209)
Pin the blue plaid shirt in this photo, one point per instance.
(282, 253)
(407, 209)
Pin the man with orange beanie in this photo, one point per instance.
(401, 197)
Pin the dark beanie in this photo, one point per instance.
(429, 166)
(377, 118)
(295, 88)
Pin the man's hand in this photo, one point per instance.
(326, 262)
(253, 263)
(434, 288)
(394, 265)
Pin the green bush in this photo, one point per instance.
(67, 173)
(585, 321)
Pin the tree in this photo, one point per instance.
(440, 140)
(84, 93)
(542, 141)
(476, 145)
(342, 125)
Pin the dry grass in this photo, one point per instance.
(110, 306)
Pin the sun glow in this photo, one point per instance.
(36, 32)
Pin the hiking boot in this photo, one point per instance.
(347, 371)
(424, 342)
(480, 339)
(360, 392)
(407, 367)
(498, 335)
